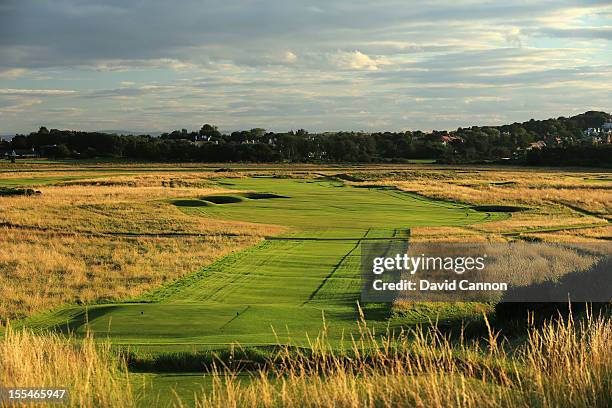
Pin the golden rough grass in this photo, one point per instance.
(576, 235)
(426, 233)
(543, 218)
(39, 270)
(562, 364)
(560, 190)
(93, 376)
(128, 208)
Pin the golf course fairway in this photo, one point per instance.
(280, 289)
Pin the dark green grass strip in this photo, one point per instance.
(314, 294)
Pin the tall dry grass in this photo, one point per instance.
(136, 204)
(40, 270)
(563, 364)
(93, 375)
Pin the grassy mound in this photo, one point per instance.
(499, 208)
(348, 177)
(222, 199)
(191, 203)
(503, 183)
(7, 191)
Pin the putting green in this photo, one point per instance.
(330, 205)
(281, 288)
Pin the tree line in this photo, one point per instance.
(562, 143)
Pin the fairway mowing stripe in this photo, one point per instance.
(229, 286)
(313, 294)
(188, 281)
(405, 195)
(226, 290)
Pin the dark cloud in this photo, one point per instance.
(68, 32)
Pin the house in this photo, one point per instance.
(21, 153)
(598, 135)
(553, 140)
(199, 141)
(539, 145)
(591, 132)
(446, 139)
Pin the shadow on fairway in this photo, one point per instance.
(499, 208)
(222, 199)
(262, 196)
(83, 317)
(190, 203)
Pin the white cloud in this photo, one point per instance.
(357, 60)
(38, 92)
(514, 37)
(13, 73)
(290, 57)
(122, 65)
(17, 105)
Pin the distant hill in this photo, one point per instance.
(590, 119)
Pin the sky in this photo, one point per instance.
(157, 65)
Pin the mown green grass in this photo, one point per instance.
(330, 205)
(282, 289)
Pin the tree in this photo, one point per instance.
(61, 151)
(258, 132)
(209, 131)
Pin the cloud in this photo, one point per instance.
(16, 105)
(128, 90)
(290, 57)
(602, 33)
(119, 65)
(329, 64)
(514, 37)
(71, 32)
(37, 92)
(12, 73)
(357, 60)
